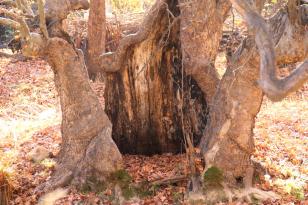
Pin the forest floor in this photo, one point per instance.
(30, 116)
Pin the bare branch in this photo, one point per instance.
(112, 61)
(274, 87)
(9, 13)
(24, 29)
(41, 11)
(8, 22)
(8, 2)
(58, 10)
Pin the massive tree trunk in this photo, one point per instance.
(96, 35)
(228, 140)
(200, 35)
(87, 148)
(149, 98)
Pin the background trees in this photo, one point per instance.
(96, 35)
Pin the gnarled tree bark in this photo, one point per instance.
(201, 31)
(87, 149)
(228, 139)
(274, 87)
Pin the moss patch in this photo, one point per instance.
(129, 190)
(121, 177)
(93, 185)
(213, 177)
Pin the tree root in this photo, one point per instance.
(100, 160)
(251, 194)
(225, 194)
(52, 197)
(59, 179)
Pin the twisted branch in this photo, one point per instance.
(275, 88)
(113, 61)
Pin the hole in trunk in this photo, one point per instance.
(239, 180)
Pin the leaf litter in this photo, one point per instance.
(30, 117)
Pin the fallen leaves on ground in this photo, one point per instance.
(30, 117)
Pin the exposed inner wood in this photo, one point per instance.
(147, 95)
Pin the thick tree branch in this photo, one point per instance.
(274, 87)
(57, 10)
(112, 61)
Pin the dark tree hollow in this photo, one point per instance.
(150, 101)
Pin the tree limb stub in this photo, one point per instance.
(274, 87)
(112, 61)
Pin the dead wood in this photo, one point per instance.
(169, 180)
(113, 61)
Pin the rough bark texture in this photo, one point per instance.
(274, 87)
(228, 141)
(57, 10)
(87, 150)
(235, 105)
(150, 93)
(96, 35)
(87, 147)
(201, 31)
